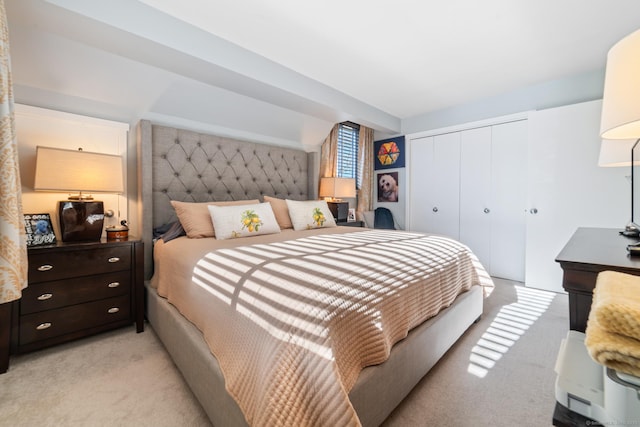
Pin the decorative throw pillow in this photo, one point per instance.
(310, 214)
(231, 222)
(281, 211)
(195, 217)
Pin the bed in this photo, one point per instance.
(188, 167)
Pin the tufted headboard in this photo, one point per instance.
(177, 164)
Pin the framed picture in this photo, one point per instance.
(39, 229)
(389, 153)
(388, 186)
(351, 216)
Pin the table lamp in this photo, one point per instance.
(81, 218)
(620, 113)
(334, 189)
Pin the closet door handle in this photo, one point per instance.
(486, 210)
(435, 209)
(533, 211)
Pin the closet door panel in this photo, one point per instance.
(421, 192)
(508, 189)
(445, 213)
(476, 208)
(435, 185)
(567, 187)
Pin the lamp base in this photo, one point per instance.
(340, 210)
(81, 220)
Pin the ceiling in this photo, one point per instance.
(282, 72)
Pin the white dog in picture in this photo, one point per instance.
(388, 189)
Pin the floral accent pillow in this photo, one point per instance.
(306, 215)
(231, 222)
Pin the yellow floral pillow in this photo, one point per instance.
(310, 214)
(231, 222)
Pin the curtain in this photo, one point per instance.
(13, 247)
(329, 153)
(365, 169)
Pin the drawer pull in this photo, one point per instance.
(113, 310)
(114, 259)
(45, 297)
(45, 267)
(43, 326)
(113, 284)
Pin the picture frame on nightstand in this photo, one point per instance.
(39, 229)
(351, 216)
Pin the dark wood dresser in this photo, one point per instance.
(76, 290)
(587, 253)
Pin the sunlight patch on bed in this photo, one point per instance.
(299, 292)
(511, 322)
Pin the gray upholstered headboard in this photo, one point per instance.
(177, 164)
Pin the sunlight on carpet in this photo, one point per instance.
(511, 322)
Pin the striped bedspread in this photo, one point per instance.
(292, 323)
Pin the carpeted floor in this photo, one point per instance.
(500, 373)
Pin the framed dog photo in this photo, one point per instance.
(388, 186)
(39, 229)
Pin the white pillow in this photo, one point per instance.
(230, 222)
(310, 214)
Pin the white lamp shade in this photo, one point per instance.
(74, 170)
(621, 100)
(616, 153)
(337, 187)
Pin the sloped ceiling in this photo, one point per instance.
(284, 73)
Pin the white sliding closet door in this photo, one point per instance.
(493, 196)
(475, 192)
(509, 190)
(434, 177)
(567, 189)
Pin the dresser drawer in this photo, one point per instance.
(57, 265)
(48, 324)
(59, 293)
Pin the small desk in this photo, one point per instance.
(587, 253)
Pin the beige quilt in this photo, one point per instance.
(292, 322)
(613, 329)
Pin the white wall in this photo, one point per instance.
(555, 93)
(39, 126)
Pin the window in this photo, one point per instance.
(347, 150)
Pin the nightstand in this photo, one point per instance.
(79, 289)
(350, 223)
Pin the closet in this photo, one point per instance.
(471, 185)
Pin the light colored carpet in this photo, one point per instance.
(500, 373)
(117, 378)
